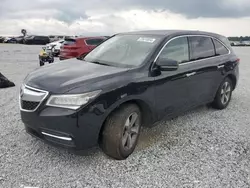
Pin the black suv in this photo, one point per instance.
(131, 80)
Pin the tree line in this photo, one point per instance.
(241, 38)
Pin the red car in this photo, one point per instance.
(79, 47)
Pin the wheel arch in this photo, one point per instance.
(147, 114)
(233, 79)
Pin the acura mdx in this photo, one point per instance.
(131, 80)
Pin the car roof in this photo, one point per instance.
(93, 37)
(172, 32)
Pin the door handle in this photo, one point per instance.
(220, 66)
(190, 74)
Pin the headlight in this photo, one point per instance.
(70, 101)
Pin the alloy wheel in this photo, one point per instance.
(131, 131)
(225, 93)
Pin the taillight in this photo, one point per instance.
(238, 60)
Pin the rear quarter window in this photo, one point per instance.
(94, 42)
(69, 41)
(220, 49)
(201, 47)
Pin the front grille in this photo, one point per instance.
(31, 98)
(29, 105)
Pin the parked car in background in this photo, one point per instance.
(19, 39)
(131, 80)
(39, 40)
(9, 40)
(65, 37)
(79, 47)
(240, 43)
(54, 38)
(246, 43)
(56, 46)
(1, 39)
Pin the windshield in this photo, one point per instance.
(124, 50)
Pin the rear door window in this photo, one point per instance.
(94, 42)
(201, 47)
(220, 48)
(177, 50)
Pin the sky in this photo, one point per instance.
(107, 17)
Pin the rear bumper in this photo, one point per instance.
(237, 75)
(64, 58)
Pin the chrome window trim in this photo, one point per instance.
(189, 62)
(34, 89)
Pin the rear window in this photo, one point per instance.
(201, 47)
(94, 42)
(69, 41)
(220, 48)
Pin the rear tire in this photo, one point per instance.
(121, 132)
(223, 95)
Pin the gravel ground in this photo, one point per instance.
(203, 148)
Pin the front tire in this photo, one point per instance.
(223, 95)
(121, 132)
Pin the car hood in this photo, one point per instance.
(66, 75)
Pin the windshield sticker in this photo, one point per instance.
(143, 39)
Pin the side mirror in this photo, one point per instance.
(44, 48)
(166, 64)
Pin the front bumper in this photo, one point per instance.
(77, 130)
(58, 130)
(63, 127)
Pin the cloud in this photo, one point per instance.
(44, 9)
(111, 16)
(199, 8)
(122, 21)
(69, 11)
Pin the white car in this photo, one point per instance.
(6, 39)
(55, 47)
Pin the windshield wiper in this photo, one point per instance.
(99, 63)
